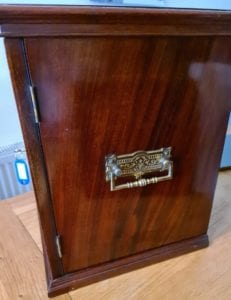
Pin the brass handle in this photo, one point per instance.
(137, 164)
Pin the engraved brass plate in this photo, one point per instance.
(138, 164)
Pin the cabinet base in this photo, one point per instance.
(84, 277)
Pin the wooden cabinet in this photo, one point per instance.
(90, 83)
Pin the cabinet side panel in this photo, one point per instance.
(21, 81)
(102, 95)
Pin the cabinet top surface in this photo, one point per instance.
(114, 17)
(182, 4)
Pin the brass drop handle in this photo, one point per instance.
(138, 164)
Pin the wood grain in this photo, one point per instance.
(17, 21)
(203, 275)
(84, 277)
(134, 79)
(21, 263)
(117, 95)
(25, 208)
(21, 82)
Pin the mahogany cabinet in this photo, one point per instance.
(124, 113)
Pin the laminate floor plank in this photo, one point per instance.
(21, 262)
(22, 203)
(25, 209)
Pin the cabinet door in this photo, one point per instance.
(103, 95)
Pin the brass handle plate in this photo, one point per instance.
(138, 164)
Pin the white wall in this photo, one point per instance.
(10, 131)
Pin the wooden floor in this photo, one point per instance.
(205, 274)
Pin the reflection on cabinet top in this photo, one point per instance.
(195, 4)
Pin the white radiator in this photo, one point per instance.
(9, 185)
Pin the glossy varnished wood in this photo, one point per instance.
(79, 279)
(121, 80)
(77, 21)
(117, 95)
(21, 82)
